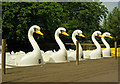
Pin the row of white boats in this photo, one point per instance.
(38, 56)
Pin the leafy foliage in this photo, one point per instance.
(18, 17)
(84, 16)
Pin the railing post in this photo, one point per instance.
(3, 55)
(116, 49)
(77, 53)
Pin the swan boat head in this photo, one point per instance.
(97, 33)
(107, 34)
(61, 30)
(35, 29)
(78, 32)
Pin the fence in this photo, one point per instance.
(85, 46)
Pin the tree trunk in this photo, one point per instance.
(116, 49)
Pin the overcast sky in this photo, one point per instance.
(109, 0)
(110, 5)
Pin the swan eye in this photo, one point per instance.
(62, 31)
(35, 29)
(97, 34)
(107, 35)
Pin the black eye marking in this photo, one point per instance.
(62, 31)
(35, 29)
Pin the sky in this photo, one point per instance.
(110, 5)
(109, 0)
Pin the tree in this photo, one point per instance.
(19, 16)
(84, 16)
